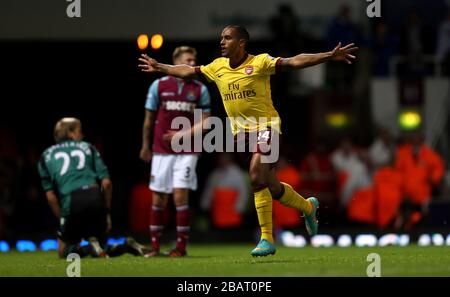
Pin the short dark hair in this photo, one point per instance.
(241, 32)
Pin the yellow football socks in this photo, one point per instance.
(263, 203)
(293, 199)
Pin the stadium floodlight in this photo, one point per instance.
(322, 240)
(447, 241)
(142, 42)
(49, 245)
(438, 239)
(300, 241)
(337, 120)
(424, 240)
(25, 246)
(409, 120)
(366, 240)
(344, 240)
(403, 240)
(4, 246)
(156, 41)
(290, 240)
(388, 239)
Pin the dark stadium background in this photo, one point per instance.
(99, 83)
(45, 79)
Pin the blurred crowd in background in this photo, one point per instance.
(364, 175)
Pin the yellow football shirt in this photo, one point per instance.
(245, 91)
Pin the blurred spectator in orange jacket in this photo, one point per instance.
(387, 185)
(380, 203)
(422, 169)
(226, 193)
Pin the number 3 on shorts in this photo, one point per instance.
(188, 172)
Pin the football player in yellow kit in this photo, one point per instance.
(243, 81)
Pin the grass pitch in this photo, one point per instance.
(235, 260)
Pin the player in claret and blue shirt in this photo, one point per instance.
(172, 172)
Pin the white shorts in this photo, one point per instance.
(173, 171)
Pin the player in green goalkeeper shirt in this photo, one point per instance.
(79, 192)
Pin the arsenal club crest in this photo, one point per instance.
(249, 69)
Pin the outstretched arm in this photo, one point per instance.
(339, 53)
(148, 64)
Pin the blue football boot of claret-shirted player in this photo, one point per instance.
(311, 222)
(264, 248)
